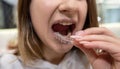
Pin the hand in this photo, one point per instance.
(99, 38)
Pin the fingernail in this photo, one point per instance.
(75, 37)
(79, 33)
(84, 42)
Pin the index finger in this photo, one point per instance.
(98, 30)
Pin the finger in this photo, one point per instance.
(106, 46)
(90, 38)
(100, 30)
(98, 38)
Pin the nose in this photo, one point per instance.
(68, 7)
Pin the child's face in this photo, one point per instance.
(61, 16)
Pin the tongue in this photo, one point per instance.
(60, 28)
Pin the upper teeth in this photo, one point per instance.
(66, 23)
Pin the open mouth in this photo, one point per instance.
(63, 28)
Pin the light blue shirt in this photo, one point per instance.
(71, 61)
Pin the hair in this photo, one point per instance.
(29, 44)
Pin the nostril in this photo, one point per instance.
(69, 12)
(67, 7)
(63, 9)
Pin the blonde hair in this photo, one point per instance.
(29, 44)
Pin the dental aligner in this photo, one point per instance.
(63, 39)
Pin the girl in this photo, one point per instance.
(56, 34)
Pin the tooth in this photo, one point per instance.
(65, 23)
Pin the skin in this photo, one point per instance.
(44, 13)
(99, 38)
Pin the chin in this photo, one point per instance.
(63, 48)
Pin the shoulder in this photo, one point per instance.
(10, 61)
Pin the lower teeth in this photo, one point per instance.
(63, 39)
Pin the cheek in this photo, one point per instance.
(41, 11)
(83, 10)
(43, 8)
(82, 15)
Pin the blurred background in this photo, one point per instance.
(8, 13)
(108, 16)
